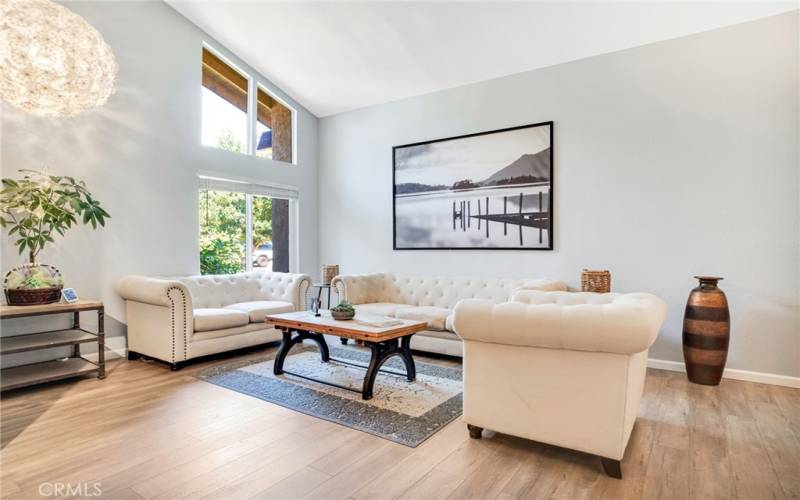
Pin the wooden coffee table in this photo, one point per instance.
(383, 343)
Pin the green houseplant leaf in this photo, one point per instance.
(33, 207)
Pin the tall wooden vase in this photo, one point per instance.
(706, 332)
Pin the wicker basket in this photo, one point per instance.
(329, 272)
(596, 281)
(32, 296)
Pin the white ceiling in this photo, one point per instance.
(334, 57)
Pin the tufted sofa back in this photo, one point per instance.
(436, 291)
(212, 291)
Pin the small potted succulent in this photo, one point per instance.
(35, 209)
(344, 310)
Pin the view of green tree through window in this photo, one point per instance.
(224, 232)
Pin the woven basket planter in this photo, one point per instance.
(32, 296)
(596, 281)
(340, 315)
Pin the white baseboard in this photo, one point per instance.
(732, 373)
(116, 347)
(110, 354)
(659, 364)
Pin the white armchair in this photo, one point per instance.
(177, 319)
(567, 369)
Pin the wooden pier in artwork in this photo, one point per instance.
(462, 216)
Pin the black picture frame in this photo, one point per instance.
(551, 197)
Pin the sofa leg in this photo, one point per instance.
(133, 355)
(178, 365)
(343, 340)
(474, 431)
(612, 468)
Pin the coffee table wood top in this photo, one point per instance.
(305, 320)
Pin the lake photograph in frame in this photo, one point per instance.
(491, 190)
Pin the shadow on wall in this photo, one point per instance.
(105, 147)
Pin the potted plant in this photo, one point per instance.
(344, 310)
(35, 209)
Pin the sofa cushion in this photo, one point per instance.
(216, 319)
(435, 334)
(381, 308)
(435, 316)
(257, 309)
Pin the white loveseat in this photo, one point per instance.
(566, 369)
(177, 319)
(428, 298)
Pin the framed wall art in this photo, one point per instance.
(490, 190)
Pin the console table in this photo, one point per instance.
(73, 366)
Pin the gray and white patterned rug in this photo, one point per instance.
(401, 411)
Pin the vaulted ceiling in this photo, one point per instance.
(334, 57)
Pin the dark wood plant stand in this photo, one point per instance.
(74, 366)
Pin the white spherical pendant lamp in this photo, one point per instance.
(53, 62)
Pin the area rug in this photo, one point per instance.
(401, 411)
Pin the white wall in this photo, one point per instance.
(140, 154)
(672, 159)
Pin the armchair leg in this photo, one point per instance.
(612, 468)
(133, 355)
(178, 365)
(474, 431)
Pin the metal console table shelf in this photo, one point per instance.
(48, 371)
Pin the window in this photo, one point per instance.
(225, 99)
(244, 226)
(226, 117)
(273, 128)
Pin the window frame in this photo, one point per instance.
(294, 215)
(254, 84)
(263, 87)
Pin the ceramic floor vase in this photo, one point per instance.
(706, 332)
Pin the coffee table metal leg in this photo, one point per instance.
(405, 352)
(375, 362)
(320, 340)
(288, 342)
(381, 352)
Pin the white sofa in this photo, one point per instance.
(566, 369)
(177, 319)
(428, 298)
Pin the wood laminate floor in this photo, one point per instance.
(148, 433)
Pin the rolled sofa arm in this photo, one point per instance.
(160, 316)
(359, 288)
(288, 287)
(154, 291)
(615, 323)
